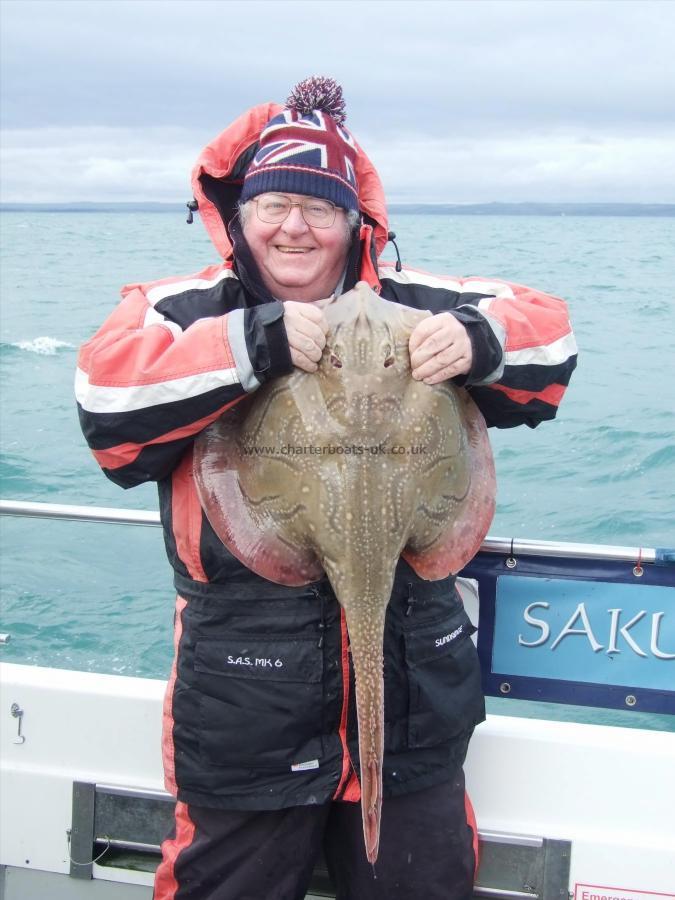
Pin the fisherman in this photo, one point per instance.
(263, 760)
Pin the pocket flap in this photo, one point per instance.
(250, 656)
(440, 639)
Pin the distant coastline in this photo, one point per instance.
(440, 209)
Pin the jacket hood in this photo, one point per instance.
(218, 177)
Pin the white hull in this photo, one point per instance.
(609, 791)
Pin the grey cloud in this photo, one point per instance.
(422, 66)
(455, 101)
(121, 164)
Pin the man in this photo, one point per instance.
(265, 766)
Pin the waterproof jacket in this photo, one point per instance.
(259, 711)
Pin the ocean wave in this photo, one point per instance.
(45, 346)
(665, 456)
(616, 435)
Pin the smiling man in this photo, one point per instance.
(300, 243)
(297, 212)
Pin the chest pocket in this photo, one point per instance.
(444, 681)
(261, 701)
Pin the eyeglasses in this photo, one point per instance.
(276, 208)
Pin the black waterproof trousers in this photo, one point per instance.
(426, 851)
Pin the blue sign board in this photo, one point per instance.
(577, 629)
(588, 631)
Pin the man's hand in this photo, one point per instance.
(306, 329)
(440, 348)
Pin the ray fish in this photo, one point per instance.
(343, 471)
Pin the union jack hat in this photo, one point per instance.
(306, 150)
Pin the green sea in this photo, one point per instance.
(99, 598)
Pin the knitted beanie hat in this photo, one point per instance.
(305, 149)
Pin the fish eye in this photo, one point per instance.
(335, 355)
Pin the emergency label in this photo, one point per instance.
(602, 892)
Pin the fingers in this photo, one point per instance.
(440, 348)
(294, 309)
(309, 340)
(302, 361)
(431, 374)
(422, 331)
(306, 329)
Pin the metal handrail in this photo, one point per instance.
(503, 546)
(106, 514)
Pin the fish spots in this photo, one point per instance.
(353, 514)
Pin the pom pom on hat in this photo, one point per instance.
(306, 149)
(320, 93)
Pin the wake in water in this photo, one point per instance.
(45, 346)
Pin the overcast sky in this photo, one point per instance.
(457, 101)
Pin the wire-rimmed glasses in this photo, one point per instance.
(276, 208)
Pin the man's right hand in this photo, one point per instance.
(306, 329)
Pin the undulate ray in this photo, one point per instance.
(398, 468)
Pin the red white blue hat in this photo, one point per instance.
(306, 150)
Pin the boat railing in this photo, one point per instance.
(496, 545)
(107, 515)
(583, 624)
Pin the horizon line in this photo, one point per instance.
(108, 202)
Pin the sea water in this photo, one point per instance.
(99, 598)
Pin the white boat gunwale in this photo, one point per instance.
(519, 772)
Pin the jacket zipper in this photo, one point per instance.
(411, 601)
(322, 623)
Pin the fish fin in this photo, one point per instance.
(241, 523)
(459, 541)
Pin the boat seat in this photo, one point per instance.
(122, 828)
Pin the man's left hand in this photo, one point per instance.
(440, 348)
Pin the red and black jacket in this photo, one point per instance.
(172, 358)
